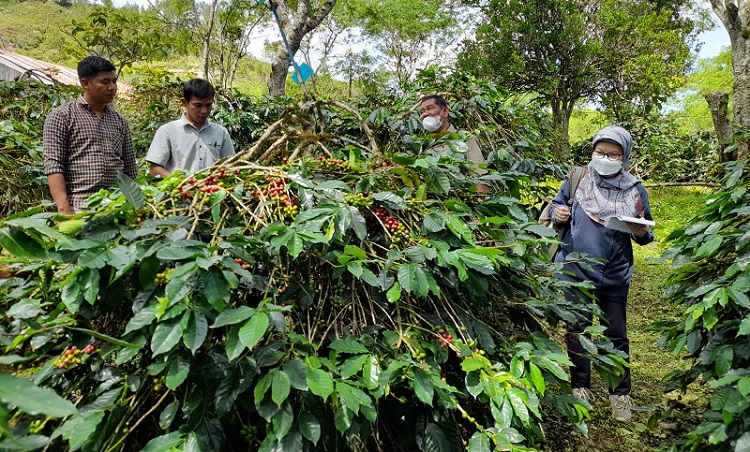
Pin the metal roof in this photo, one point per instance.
(42, 71)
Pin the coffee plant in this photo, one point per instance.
(711, 281)
(333, 285)
(24, 107)
(327, 302)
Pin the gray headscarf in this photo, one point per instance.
(605, 197)
(617, 135)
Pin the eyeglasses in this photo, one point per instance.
(610, 155)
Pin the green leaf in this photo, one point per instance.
(83, 427)
(437, 181)
(280, 387)
(474, 363)
(191, 442)
(168, 415)
(353, 365)
(459, 228)
(391, 200)
(32, 399)
(254, 329)
(179, 368)
(196, 331)
(309, 426)
(283, 421)
(166, 336)
(348, 346)
(142, 318)
(319, 382)
(434, 439)
(358, 225)
(348, 396)
(164, 443)
(744, 386)
(297, 372)
(233, 316)
(262, 387)
(18, 243)
(423, 386)
(233, 344)
(24, 443)
(88, 281)
(355, 251)
(394, 293)
(102, 337)
(536, 377)
(724, 357)
(709, 247)
(180, 287)
(14, 359)
(234, 382)
(434, 221)
(413, 279)
(216, 288)
(743, 443)
(516, 397)
(479, 442)
(744, 327)
(178, 253)
(131, 190)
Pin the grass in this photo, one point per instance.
(660, 418)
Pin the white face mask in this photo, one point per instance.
(432, 123)
(606, 166)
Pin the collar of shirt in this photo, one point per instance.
(184, 122)
(82, 101)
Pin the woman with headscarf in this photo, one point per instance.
(605, 191)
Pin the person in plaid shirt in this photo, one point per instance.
(86, 143)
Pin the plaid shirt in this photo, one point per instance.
(88, 150)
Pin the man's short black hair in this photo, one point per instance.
(91, 66)
(439, 100)
(197, 88)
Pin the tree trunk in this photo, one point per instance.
(295, 28)
(741, 85)
(718, 103)
(206, 53)
(741, 97)
(735, 15)
(561, 119)
(279, 73)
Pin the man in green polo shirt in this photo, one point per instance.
(191, 143)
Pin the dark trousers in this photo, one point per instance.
(614, 311)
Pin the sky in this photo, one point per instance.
(713, 40)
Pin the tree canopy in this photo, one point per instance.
(616, 53)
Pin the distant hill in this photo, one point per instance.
(36, 29)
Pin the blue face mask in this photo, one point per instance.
(605, 166)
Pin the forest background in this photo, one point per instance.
(367, 234)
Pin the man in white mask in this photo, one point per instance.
(434, 114)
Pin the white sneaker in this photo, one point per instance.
(621, 407)
(583, 394)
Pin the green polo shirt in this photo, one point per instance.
(180, 145)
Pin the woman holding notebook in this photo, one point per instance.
(607, 190)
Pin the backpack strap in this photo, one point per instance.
(576, 174)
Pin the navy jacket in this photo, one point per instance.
(589, 237)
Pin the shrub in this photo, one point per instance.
(711, 281)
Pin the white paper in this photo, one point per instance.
(620, 223)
